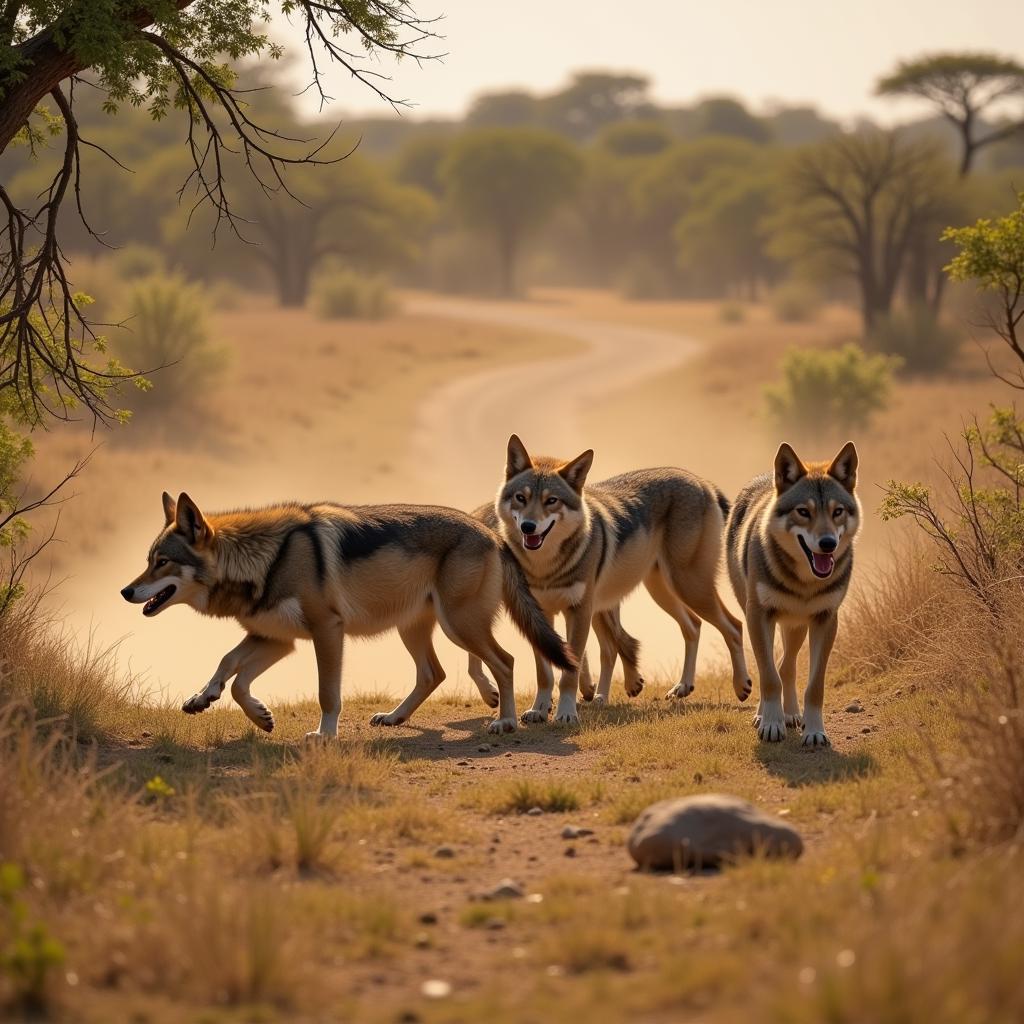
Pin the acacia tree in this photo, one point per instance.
(859, 201)
(964, 87)
(174, 57)
(506, 181)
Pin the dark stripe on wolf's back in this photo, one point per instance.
(268, 597)
(316, 542)
(365, 537)
(603, 557)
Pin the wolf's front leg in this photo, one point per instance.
(541, 710)
(823, 636)
(771, 718)
(328, 643)
(577, 622)
(267, 653)
(230, 665)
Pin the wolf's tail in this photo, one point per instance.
(529, 618)
(723, 503)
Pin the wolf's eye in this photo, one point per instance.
(838, 514)
(803, 513)
(161, 562)
(521, 498)
(551, 501)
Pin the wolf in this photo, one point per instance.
(583, 549)
(324, 571)
(789, 543)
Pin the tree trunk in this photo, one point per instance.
(292, 276)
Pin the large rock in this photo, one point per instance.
(705, 831)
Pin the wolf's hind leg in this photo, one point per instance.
(541, 710)
(487, 689)
(268, 653)
(417, 637)
(689, 626)
(253, 651)
(792, 640)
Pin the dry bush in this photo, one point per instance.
(795, 302)
(347, 295)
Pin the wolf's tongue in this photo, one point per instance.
(533, 540)
(822, 563)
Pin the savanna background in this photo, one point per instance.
(277, 279)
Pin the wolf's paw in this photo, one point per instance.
(816, 738)
(600, 700)
(490, 697)
(634, 687)
(794, 721)
(743, 689)
(567, 713)
(318, 738)
(587, 690)
(501, 725)
(263, 718)
(680, 690)
(387, 718)
(535, 716)
(197, 702)
(772, 727)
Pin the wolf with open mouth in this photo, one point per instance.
(789, 543)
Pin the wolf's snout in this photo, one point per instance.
(128, 593)
(528, 526)
(827, 543)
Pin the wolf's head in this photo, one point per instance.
(815, 515)
(541, 500)
(179, 563)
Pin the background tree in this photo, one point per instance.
(859, 201)
(967, 88)
(594, 99)
(723, 115)
(506, 182)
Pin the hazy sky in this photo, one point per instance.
(823, 52)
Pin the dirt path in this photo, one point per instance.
(464, 426)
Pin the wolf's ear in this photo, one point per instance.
(169, 507)
(518, 458)
(575, 473)
(191, 521)
(844, 466)
(788, 468)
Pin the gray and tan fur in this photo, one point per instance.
(321, 572)
(790, 554)
(585, 549)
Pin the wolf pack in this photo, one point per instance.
(550, 543)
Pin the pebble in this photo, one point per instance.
(855, 708)
(570, 851)
(574, 832)
(506, 889)
(534, 811)
(436, 988)
(428, 918)
(483, 748)
(444, 852)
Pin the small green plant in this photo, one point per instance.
(923, 342)
(795, 302)
(829, 392)
(28, 953)
(167, 334)
(732, 313)
(157, 790)
(346, 295)
(549, 795)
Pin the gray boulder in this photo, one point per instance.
(697, 832)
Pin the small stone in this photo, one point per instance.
(483, 748)
(462, 763)
(575, 832)
(495, 924)
(570, 851)
(146, 734)
(506, 889)
(866, 729)
(422, 941)
(444, 853)
(408, 1017)
(855, 708)
(435, 988)
(429, 917)
(534, 811)
(166, 758)
(705, 831)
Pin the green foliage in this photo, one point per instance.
(506, 182)
(795, 301)
(923, 343)
(346, 295)
(723, 115)
(167, 334)
(137, 260)
(829, 392)
(28, 953)
(634, 138)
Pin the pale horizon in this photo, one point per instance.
(792, 53)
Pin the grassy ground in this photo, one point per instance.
(195, 869)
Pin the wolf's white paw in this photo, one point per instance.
(567, 714)
(634, 687)
(387, 718)
(318, 737)
(535, 716)
(680, 690)
(600, 699)
(196, 703)
(772, 727)
(262, 718)
(817, 738)
(490, 697)
(794, 720)
(500, 725)
(742, 688)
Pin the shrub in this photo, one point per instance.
(829, 392)
(918, 337)
(346, 295)
(732, 313)
(642, 278)
(167, 336)
(795, 302)
(136, 261)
